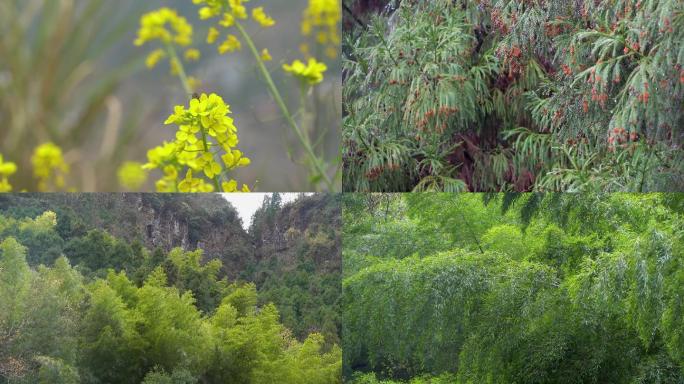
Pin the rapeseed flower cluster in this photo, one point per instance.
(205, 130)
(153, 26)
(49, 167)
(322, 20)
(172, 30)
(230, 13)
(7, 169)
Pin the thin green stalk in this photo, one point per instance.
(181, 71)
(302, 102)
(206, 149)
(316, 162)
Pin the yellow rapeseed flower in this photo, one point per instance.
(311, 73)
(238, 9)
(168, 27)
(214, 8)
(131, 175)
(211, 9)
(154, 57)
(175, 66)
(164, 158)
(160, 156)
(232, 186)
(229, 12)
(49, 167)
(7, 169)
(153, 26)
(234, 159)
(203, 126)
(266, 55)
(231, 44)
(194, 185)
(192, 54)
(262, 18)
(213, 35)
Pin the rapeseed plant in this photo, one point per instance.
(174, 32)
(229, 15)
(49, 169)
(205, 130)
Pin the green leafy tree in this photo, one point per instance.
(44, 244)
(112, 347)
(38, 318)
(186, 272)
(53, 371)
(99, 250)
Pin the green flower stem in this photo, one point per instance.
(302, 101)
(206, 149)
(186, 85)
(171, 50)
(281, 104)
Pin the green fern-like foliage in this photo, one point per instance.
(509, 95)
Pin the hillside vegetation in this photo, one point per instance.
(80, 305)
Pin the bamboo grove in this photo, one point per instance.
(506, 288)
(509, 95)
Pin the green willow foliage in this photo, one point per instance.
(178, 324)
(503, 95)
(516, 289)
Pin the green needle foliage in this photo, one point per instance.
(514, 289)
(516, 96)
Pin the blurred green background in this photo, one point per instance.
(70, 74)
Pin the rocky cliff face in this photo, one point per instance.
(155, 227)
(298, 262)
(308, 227)
(203, 221)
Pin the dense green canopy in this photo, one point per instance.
(514, 288)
